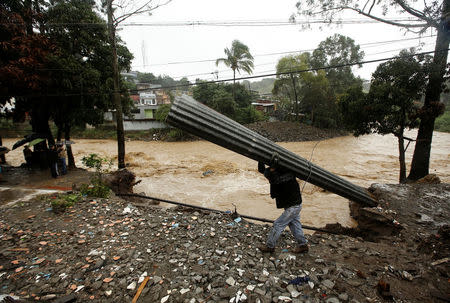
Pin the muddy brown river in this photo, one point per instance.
(205, 174)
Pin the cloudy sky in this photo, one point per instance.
(184, 38)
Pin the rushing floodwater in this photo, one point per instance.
(205, 174)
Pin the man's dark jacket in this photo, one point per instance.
(284, 187)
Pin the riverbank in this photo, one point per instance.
(279, 131)
(102, 250)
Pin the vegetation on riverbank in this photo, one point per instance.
(442, 123)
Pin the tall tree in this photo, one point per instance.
(338, 50)
(389, 107)
(287, 83)
(432, 14)
(117, 13)
(238, 58)
(309, 90)
(23, 52)
(80, 81)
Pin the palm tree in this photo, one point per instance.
(238, 58)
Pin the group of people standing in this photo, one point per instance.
(56, 157)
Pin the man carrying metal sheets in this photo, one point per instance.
(285, 190)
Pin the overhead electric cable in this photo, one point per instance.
(252, 77)
(274, 63)
(305, 70)
(370, 44)
(260, 23)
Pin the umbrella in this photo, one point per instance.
(28, 138)
(36, 141)
(20, 143)
(3, 150)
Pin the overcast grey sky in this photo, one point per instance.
(160, 49)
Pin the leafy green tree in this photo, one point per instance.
(309, 91)
(242, 96)
(288, 80)
(23, 52)
(146, 77)
(237, 58)
(338, 50)
(216, 96)
(390, 106)
(249, 114)
(319, 100)
(219, 97)
(75, 79)
(431, 14)
(162, 112)
(83, 80)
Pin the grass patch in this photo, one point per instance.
(61, 202)
(96, 189)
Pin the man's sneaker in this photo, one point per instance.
(266, 249)
(301, 249)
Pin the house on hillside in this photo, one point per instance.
(265, 106)
(146, 103)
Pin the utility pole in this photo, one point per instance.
(295, 96)
(116, 96)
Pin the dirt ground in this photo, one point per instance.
(100, 250)
(103, 250)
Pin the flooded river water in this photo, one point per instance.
(205, 174)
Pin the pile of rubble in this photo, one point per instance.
(108, 250)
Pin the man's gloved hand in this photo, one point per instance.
(274, 160)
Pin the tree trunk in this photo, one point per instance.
(421, 157)
(116, 96)
(401, 158)
(234, 85)
(2, 157)
(70, 158)
(59, 133)
(39, 120)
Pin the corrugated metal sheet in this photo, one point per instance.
(200, 120)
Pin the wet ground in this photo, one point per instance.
(20, 184)
(104, 250)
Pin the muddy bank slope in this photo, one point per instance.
(284, 131)
(102, 250)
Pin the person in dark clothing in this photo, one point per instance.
(285, 190)
(53, 159)
(62, 159)
(28, 155)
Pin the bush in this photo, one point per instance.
(162, 112)
(61, 202)
(442, 123)
(249, 115)
(96, 189)
(176, 134)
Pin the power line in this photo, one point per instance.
(261, 23)
(272, 63)
(227, 23)
(303, 70)
(258, 76)
(370, 44)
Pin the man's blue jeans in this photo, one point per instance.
(291, 217)
(64, 166)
